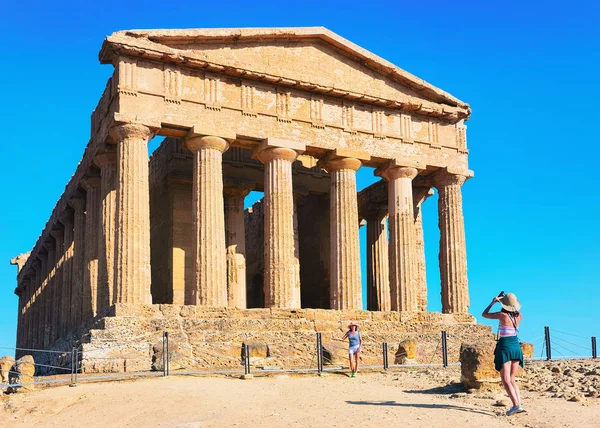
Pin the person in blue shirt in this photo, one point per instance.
(354, 346)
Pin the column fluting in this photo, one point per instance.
(236, 246)
(280, 271)
(378, 263)
(77, 267)
(107, 162)
(420, 195)
(50, 247)
(345, 276)
(132, 224)
(403, 269)
(209, 254)
(92, 229)
(57, 284)
(453, 252)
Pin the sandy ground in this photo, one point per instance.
(415, 398)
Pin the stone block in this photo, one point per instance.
(406, 353)
(527, 349)
(22, 373)
(6, 364)
(477, 365)
(257, 350)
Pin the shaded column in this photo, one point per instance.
(280, 270)
(77, 266)
(420, 195)
(48, 291)
(453, 252)
(132, 239)
(66, 218)
(345, 276)
(41, 298)
(378, 263)
(57, 284)
(107, 162)
(236, 246)
(403, 260)
(92, 236)
(34, 307)
(210, 259)
(298, 193)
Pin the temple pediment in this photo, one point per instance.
(313, 59)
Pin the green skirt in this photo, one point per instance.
(507, 349)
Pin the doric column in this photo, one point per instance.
(280, 270)
(92, 236)
(76, 321)
(50, 247)
(420, 194)
(299, 193)
(41, 298)
(57, 284)
(345, 288)
(378, 262)
(236, 246)
(453, 252)
(132, 243)
(403, 260)
(66, 219)
(34, 307)
(107, 162)
(210, 258)
(27, 315)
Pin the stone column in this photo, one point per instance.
(76, 320)
(403, 260)
(34, 307)
(92, 236)
(420, 195)
(453, 252)
(280, 271)
(298, 195)
(57, 283)
(19, 341)
(209, 255)
(236, 246)
(345, 276)
(66, 219)
(27, 335)
(41, 298)
(107, 162)
(132, 224)
(378, 262)
(50, 247)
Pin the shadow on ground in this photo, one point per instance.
(422, 406)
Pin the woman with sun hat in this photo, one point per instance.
(508, 354)
(354, 346)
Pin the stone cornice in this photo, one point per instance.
(147, 44)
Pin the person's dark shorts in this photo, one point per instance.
(507, 349)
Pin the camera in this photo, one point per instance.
(501, 294)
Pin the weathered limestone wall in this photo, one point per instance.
(212, 337)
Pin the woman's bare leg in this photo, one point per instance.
(351, 363)
(514, 367)
(356, 361)
(505, 376)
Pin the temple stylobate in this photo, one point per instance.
(293, 113)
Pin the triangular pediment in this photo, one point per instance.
(306, 57)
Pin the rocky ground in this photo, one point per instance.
(556, 394)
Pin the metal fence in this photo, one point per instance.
(69, 365)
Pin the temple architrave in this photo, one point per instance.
(293, 113)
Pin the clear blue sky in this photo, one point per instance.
(528, 69)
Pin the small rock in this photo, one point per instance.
(458, 395)
(555, 369)
(472, 391)
(502, 403)
(568, 372)
(575, 398)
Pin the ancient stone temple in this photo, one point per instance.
(293, 113)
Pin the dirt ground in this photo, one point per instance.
(411, 398)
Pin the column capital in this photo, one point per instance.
(106, 158)
(195, 143)
(90, 182)
(49, 245)
(57, 234)
(343, 159)
(77, 203)
(66, 218)
(129, 130)
(268, 154)
(446, 177)
(236, 191)
(394, 172)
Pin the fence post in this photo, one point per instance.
(594, 349)
(73, 367)
(547, 340)
(384, 345)
(164, 356)
(444, 349)
(167, 343)
(319, 353)
(246, 359)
